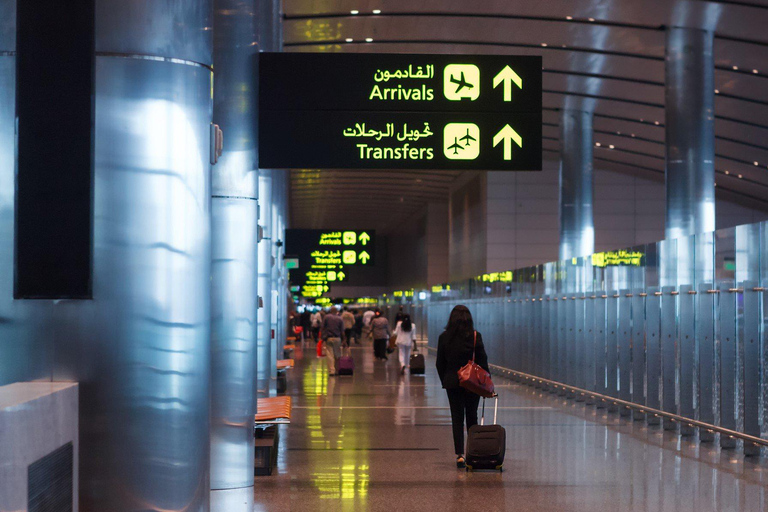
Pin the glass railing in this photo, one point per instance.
(672, 332)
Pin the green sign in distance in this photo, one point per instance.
(326, 257)
(400, 111)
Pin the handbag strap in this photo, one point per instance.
(474, 345)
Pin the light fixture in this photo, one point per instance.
(656, 123)
(591, 19)
(632, 134)
(717, 91)
(740, 176)
(349, 39)
(611, 146)
(597, 144)
(368, 39)
(727, 172)
(735, 68)
(569, 17)
(544, 44)
(354, 11)
(756, 163)
(377, 11)
(754, 71)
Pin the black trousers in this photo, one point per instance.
(463, 403)
(380, 347)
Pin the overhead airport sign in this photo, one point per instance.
(326, 257)
(400, 111)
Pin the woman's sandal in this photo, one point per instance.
(460, 462)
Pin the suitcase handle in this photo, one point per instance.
(495, 410)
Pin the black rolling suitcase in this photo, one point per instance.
(486, 444)
(417, 364)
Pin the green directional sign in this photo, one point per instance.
(327, 257)
(400, 111)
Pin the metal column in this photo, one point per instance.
(141, 348)
(265, 283)
(269, 40)
(234, 266)
(577, 230)
(690, 132)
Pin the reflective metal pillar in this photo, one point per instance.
(269, 29)
(276, 348)
(265, 263)
(577, 231)
(233, 238)
(141, 347)
(690, 132)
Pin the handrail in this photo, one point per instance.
(733, 434)
(642, 408)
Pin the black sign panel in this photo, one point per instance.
(400, 111)
(326, 257)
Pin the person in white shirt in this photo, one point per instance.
(406, 337)
(367, 317)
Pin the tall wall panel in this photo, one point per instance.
(677, 327)
(25, 353)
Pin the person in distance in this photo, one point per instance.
(455, 347)
(406, 337)
(333, 332)
(380, 331)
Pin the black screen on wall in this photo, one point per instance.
(54, 111)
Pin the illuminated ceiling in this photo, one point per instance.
(605, 55)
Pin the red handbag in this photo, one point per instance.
(473, 378)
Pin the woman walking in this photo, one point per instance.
(455, 348)
(405, 331)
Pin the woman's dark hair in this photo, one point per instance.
(460, 322)
(406, 325)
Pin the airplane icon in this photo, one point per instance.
(466, 141)
(468, 138)
(461, 82)
(455, 146)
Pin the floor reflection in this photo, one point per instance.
(382, 441)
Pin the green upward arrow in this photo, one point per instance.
(507, 76)
(364, 238)
(364, 257)
(341, 276)
(507, 134)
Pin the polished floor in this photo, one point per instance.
(382, 442)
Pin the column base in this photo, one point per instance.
(232, 500)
